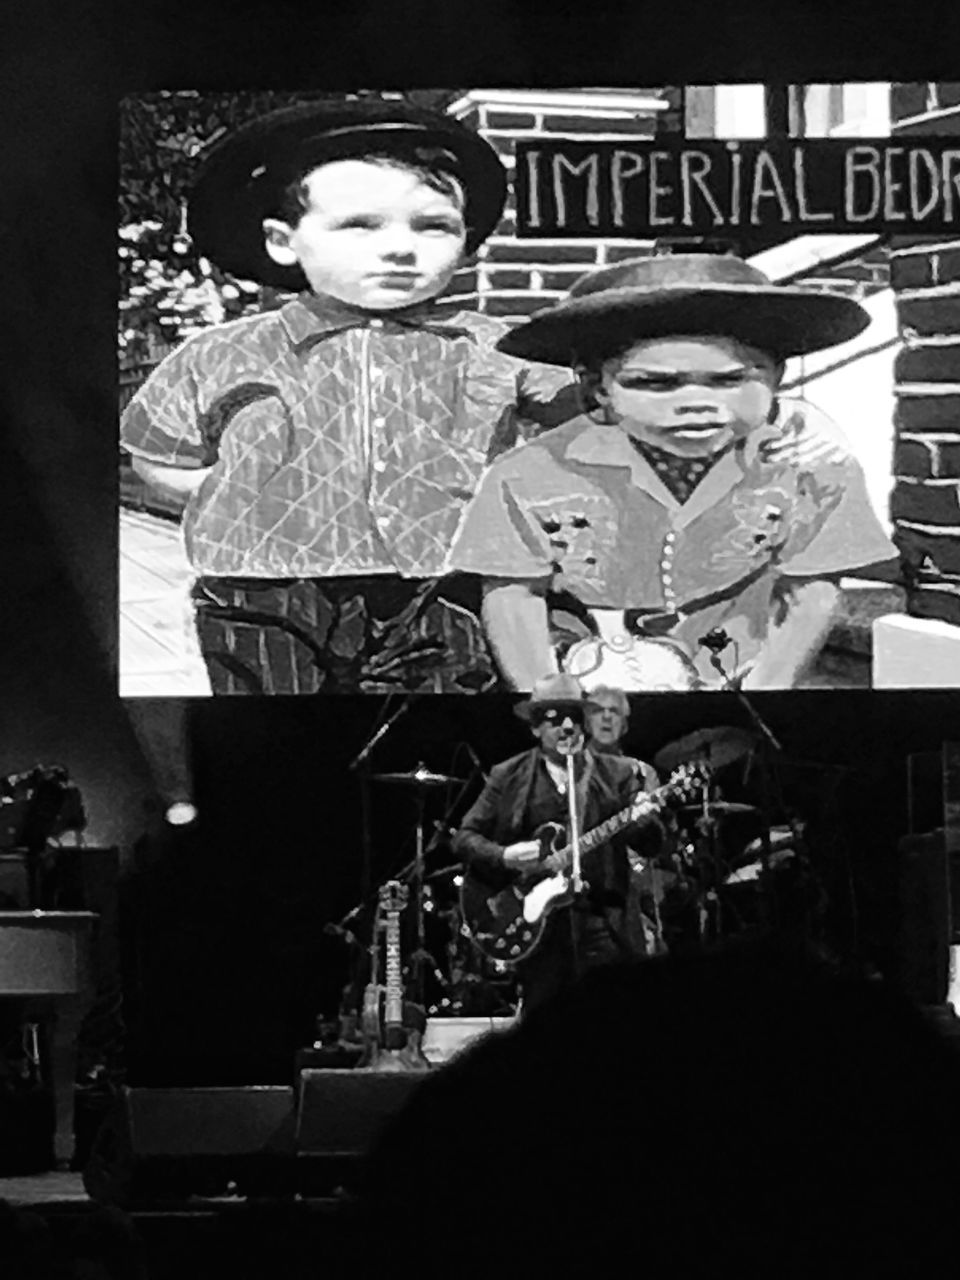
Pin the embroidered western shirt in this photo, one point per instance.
(581, 508)
(341, 442)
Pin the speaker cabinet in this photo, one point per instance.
(163, 1144)
(340, 1113)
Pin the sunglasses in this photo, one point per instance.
(557, 715)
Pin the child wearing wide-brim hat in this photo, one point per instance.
(324, 450)
(689, 499)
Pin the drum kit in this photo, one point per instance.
(735, 865)
(445, 971)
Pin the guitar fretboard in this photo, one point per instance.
(393, 1001)
(639, 809)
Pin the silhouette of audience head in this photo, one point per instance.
(756, 1111)
(102, 1244)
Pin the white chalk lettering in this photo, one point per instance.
(767, 168)
(917, 211)
(533, 189)
(736, 165)
(687, 176)
(950, 181)
(861, 160)
(800, 187)
(619, 175)
(655, 191)
(590, 167)
(891, 187)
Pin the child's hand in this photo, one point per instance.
(805, 440)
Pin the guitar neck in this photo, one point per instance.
(624, 818)
(393, 1001)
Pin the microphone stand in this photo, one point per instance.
(771, 749)
(571, 747)
(359, 765)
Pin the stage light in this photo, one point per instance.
(181, 813)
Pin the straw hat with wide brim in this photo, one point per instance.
(242, 176)
(696, 294)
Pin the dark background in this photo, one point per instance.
(225, 957)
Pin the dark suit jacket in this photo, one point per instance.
(499, 818)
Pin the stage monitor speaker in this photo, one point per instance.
(340, 1113)
(171, 1144)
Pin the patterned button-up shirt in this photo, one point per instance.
(341, 442)
(581, 508)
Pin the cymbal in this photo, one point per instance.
(719, 806)
(419, 777)
(716, 747)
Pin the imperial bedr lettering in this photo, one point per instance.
(566, 187)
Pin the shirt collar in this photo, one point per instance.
(310, 317)
(603, 445)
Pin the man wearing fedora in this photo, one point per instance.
(496, 838)
(324, 450)
(688, 499)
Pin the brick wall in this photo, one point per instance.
(925, 274)
(513, 278)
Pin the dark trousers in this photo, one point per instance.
(574, 940)
(342, 635)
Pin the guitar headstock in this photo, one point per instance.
(685, 782)
(393, 896)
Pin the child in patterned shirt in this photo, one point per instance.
(324, 451)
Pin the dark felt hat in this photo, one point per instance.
(690, 293)
(242, 176)
(554, 692)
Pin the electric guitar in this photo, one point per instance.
(636, 664)
(392, 1030)
(507, 925)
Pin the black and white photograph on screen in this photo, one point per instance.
(441, 391)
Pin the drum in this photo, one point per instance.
(783, 850)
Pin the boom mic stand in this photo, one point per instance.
(570, 746)
(359, 765)
(770, 750)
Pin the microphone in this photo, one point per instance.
(571, 741)
(716, 640)
(475, 761)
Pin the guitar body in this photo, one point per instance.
(508, 925)
(635, 664)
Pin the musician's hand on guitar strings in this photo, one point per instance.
(522, 854)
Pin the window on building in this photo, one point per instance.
(846, 110)
(814, 110)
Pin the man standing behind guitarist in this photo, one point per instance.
(497, 838)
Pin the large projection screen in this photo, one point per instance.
(370, 440)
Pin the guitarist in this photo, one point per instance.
(497, 837)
